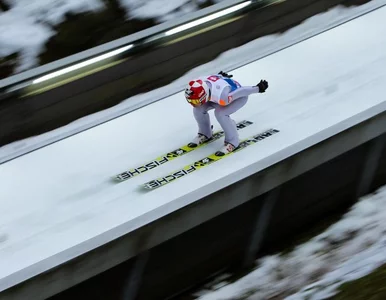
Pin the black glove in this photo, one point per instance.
(225, 74)
(263, 85)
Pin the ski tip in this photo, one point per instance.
(192, 145)
(143, 188)
(115, 179)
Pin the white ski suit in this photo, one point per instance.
(226, 97)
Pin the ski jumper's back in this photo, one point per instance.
(220, 88)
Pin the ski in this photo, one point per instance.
(206, 161)
(172, 155)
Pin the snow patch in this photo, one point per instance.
(25, 37)
(28, 25)
(151, 8)
(52, 11)
(162, 10)
(347, 250)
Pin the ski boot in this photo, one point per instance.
(198, 140)
(227, 148)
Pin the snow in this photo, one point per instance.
(228, 60)
(347, 250)
(24, 36)
(161, 10)
(28, 25)
(58, 202)
(156, 8)
(51, 12)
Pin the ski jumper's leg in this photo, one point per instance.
(239, 98)
(223, 113)
(203, 120)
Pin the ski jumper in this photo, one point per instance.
(226, 97)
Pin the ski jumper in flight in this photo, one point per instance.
(225, 96)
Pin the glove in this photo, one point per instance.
(263, 85)
(225, 74)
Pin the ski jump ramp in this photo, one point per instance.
(58, 203)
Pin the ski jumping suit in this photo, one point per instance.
(227, 97)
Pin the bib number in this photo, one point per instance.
(213, 78)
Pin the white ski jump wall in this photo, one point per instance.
(326, 97)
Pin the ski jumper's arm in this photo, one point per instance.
(227, 97)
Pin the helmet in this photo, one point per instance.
(197, 92)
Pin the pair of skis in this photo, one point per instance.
(208, 160)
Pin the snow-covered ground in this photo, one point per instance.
(228, 60)
(28, 24)
(347, 250)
